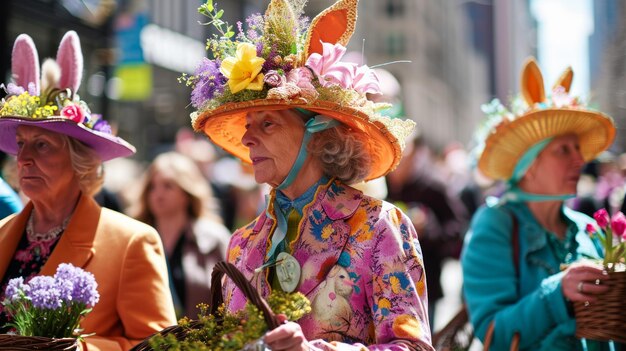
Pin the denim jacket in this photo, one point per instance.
(529, 301)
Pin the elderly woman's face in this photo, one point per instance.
(557, 168)
(43, 163)
(274, 139)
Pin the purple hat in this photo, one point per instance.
(51, 102)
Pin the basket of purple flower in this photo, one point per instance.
(45, 312)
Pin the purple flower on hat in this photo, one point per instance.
(14, 89)
(32, 89)
(274, 79)
(210, 81)
(101, 125)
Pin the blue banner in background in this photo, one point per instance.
(128, 27)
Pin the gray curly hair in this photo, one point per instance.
(342, 153)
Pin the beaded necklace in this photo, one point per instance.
(53, 233)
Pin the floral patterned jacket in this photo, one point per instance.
(362, 271)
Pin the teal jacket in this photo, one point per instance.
(529, 301)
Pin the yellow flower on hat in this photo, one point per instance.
(243, 71)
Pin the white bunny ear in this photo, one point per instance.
(70, 59)
(25, 63)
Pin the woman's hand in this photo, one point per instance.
(287, 336)
(583, 281)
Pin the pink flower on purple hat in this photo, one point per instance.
(73, 113)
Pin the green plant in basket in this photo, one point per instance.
(226, 331)
(611, 232)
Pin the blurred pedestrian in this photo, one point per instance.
(515, 250)
(10, 202)
(176, 199)
(439, 219)
(60, 146)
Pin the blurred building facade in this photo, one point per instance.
(608, 64)
(462, 53)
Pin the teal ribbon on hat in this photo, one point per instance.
(514, 193)
(527, 160)
(313, 125)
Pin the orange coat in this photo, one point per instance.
(127, 259)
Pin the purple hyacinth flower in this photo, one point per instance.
(43, 293)
(210, 81)
(14, 286)
(75, 284)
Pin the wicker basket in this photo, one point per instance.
(604, 319)
(457, 335)
(27, 343)
(217, 299)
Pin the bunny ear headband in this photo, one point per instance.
(281, 62)
(534, 117)
(50, 100)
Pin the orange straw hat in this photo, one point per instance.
(280, 62)
(508, 135)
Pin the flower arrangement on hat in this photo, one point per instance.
(265, 61)
(611, 232)
(49, 102)
(47, 97)
(225, 331)
(281, 60)
(51, 306)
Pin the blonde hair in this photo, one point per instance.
(342, 153)
(185, 174)
(87, 166)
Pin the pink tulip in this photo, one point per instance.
(590, 229)
(602, 218)
(618, 224)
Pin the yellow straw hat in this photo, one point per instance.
(535, 118)
(280, 62)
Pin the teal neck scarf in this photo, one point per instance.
(313, 125)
